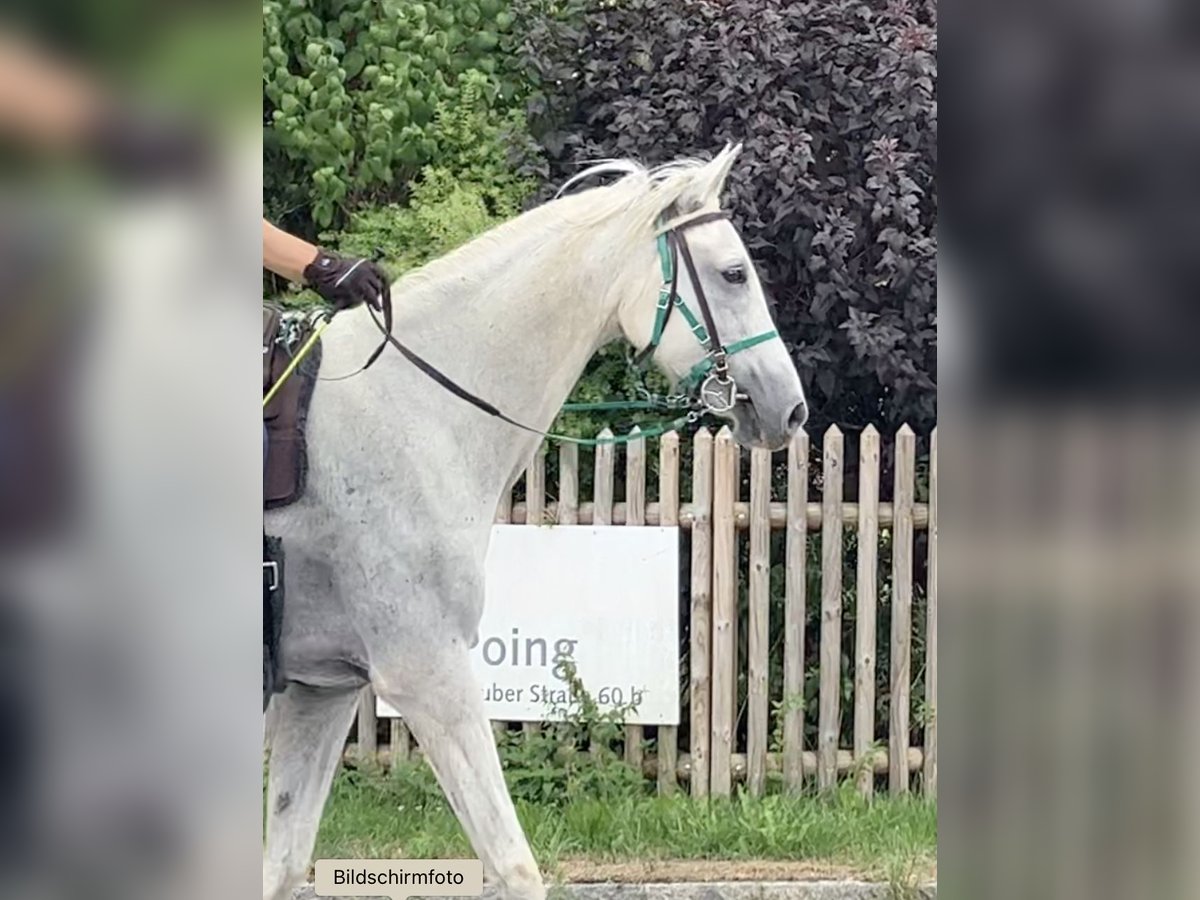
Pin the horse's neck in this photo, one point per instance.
(515, 323)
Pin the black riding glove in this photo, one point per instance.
(348, 282)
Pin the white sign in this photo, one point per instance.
(605, 598)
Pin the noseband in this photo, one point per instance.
(709, 379)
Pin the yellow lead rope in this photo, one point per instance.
(296, 360)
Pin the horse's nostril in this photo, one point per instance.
(798, 417)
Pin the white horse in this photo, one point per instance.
(385, 553)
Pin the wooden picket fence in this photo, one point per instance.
(716, 514)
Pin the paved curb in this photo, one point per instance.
(724, 890)
(742, 890)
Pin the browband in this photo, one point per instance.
(691, 219)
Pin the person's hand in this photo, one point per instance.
(148, 149)
(348, 282)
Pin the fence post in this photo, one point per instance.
(602, 484)
(930, 778)
(901, 637)
(865, 606)
(724, 604)
(535, 488)
(758, 689)
(635, 514)
(700, 655)
(568, 484)
(668, 506)
(368, 745)
(568, 500)
(535, 514)
(828, 721)
(602, 492)
(735, 621)
(399, 743)
(796, 571)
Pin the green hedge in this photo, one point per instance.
(351, 94)
(470, 189)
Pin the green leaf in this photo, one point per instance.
(323, 212)
(353, 63)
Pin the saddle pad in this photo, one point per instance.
(286, 469)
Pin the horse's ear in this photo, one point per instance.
(711, 179)
(720, 167)
(700, 186)
(723, 164)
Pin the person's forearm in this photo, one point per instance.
(285, 254)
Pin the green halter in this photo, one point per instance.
(707, 386)
(670, 243)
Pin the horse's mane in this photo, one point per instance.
(642, 194)
(637, 199)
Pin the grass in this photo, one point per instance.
(402, 814)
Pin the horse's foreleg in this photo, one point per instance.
(443, 705)
(310, 727)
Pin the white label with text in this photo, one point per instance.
(604, 598)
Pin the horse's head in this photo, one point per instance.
(743, 372)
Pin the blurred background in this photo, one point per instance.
(1067, 375)
(130, 450)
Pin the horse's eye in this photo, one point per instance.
(734, 275)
